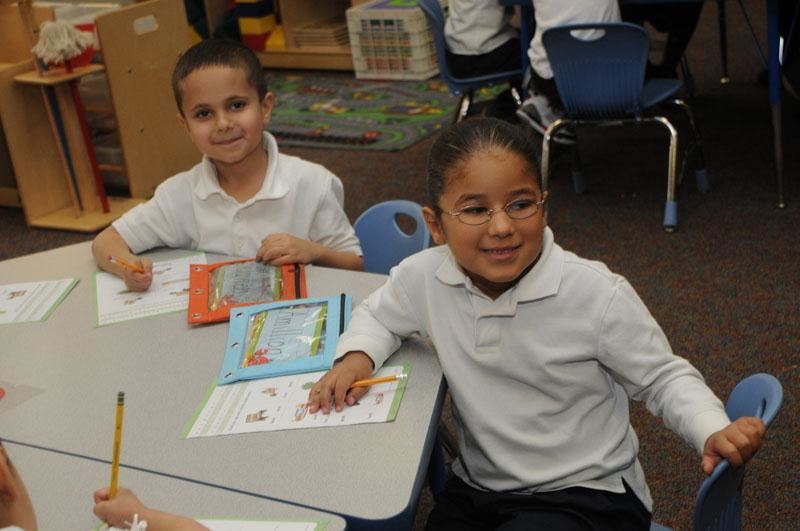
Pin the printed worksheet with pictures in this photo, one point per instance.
(32, 301)
(169, 292)
(265, 525)
(280, 403)
(246, 525)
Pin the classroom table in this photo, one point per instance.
(67, 374)
(61, 487)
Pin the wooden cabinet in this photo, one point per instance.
(140, 45)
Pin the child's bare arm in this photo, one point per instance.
(281, 248)
(125, 504)
(737, 443)
(355, 365)
(110, 243)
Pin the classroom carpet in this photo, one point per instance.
(331, 110)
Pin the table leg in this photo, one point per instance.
(774, 69)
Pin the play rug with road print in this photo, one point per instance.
(341, 112)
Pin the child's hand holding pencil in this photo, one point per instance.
(136, 272)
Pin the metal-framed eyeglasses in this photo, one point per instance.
(518, 209)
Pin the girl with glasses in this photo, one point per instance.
(541, 350)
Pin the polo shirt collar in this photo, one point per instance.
(274, 187)
(540, 282)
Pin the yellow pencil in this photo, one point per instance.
(373, 381)
(112, 490)
(124, 263)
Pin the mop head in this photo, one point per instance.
(59, 42)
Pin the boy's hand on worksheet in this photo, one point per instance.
(281, 248)
(136, 281)
(737, 442)
(119, 510)
(337, 381)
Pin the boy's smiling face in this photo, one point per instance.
(223, 115)
(495, 254)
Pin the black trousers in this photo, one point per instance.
(460, 507)
(678, 20)
(505, 57)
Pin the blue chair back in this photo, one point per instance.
(436, 19)
(601, 78)
(383, 241)
(719, 501)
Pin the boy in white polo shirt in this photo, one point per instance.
(244, 198)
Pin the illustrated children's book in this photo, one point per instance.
(216, 288)
(284, 337)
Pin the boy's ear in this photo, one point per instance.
(267, 105)
(182, 121)
(432, 221)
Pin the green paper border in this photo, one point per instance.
(190, 423)
(398, 396)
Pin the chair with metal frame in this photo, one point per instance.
(465, 87)
(719, 500)
(602, 82)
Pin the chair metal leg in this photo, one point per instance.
(577, 172)
(723, 41)
(671, 206)
(463, 105)
(700, 172)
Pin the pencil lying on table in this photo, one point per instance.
(124, 263)
(382, 379)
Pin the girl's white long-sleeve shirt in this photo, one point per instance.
(540, 377)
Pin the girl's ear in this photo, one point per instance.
(434, 225)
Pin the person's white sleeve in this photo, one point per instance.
(634, 348)
(156, 223)
(380, 323)
(330, 226)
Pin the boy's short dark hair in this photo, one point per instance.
(460, 141)
(219, 52)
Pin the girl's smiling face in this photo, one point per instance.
(495, 254)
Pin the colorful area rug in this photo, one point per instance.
(341, 112)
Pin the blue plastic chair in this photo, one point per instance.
(602, 82)
(465, 86)
(383, 241)
(719, 500)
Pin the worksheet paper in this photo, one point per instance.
(247, 525)
(32, 301)
(266, 525)
(280, 403)
(169, 292)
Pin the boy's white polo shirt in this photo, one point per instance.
(191, 210)
(476, 27)
(540, 377)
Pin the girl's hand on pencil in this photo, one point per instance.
(136, 281)
(119, 513)
(119, 510)
(335, 384)
(281, 248)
